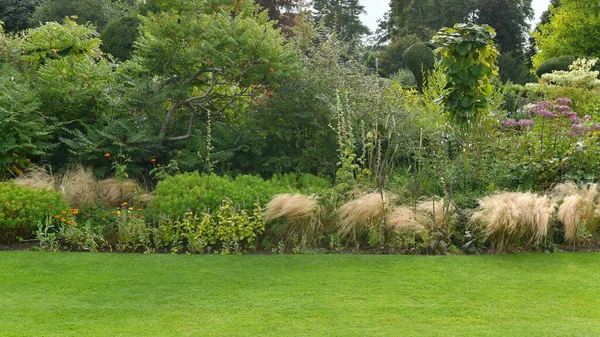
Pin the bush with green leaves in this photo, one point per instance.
(229, 229)
(419, 58)
(556, 63)
(97, 12)
(204, 192)
(118, 37)
(22, 208)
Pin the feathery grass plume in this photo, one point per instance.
(114, 191)
(302, 216)
(79, 186)
(357, 215)
(579, 204)
(407, 219)
(513, 216)
(437, 210)
(36, 177)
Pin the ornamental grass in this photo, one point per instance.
(579, 210)
(301, 217)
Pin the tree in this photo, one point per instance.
(573, 30)
(282, 11)
(118, 37)
(16, 13)
(203, 55)
(342, 16)
(97, 12)
(509, 20)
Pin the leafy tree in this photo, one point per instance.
(342, 16)
(509, 20)
(24, 132)
(282, 11)
(118, 37)
(573, 29)
(206, 55)
(97, 12)
(16, 13)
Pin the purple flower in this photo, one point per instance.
(588, 118)
(562, 108)
(509, 123)
(545, 113)
(525, 122)
(563, 101)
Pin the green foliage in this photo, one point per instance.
(15, 13)
(207, 55)
(556, 63)
(22, 208)
(419, 58)
(573, 29)
(54, 41)
(202, 192)
(228, 230)
(391, 58)
(118, 37)
(513, 69)
(97, 12)
(468, 59)
(341, 16)
(24, 132)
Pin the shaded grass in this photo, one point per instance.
(75, 294)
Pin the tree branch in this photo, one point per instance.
(190, 126)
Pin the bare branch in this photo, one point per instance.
(190, 126)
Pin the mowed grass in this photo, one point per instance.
(81, 294)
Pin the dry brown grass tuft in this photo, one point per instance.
(406, 219)
(580, 206)
(436, 210)
(79, 187)
(513, 216)
(114, 192)
(36, 177)
(302, 214)
(357, 215)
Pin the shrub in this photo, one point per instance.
(201, 192)
(419, 58)
(228, 230)
(557, 63)
(118, 37)
(22, 208)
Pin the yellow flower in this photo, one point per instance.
(118, 212)
(130, 208)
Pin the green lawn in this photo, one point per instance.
(84, 294)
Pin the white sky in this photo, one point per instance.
(377, 8)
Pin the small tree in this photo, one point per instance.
(468, 58)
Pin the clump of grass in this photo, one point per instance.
(511, 217)
(406, 219)
(358, 215)
(437, 211)
(579, 210)
(79, 187)
(36, 177)
(114, 191)
(302, 215)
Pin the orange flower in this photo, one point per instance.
(51, 207)
(103, 219)
(141, 217)
(124, 204)
(75, 211)
(140, 209)
(130, 208)
(69, 222)
(63, 213)
(63, 219)
(153, 160)
(107, 154)
(56, 217)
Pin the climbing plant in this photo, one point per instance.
(468, 58)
